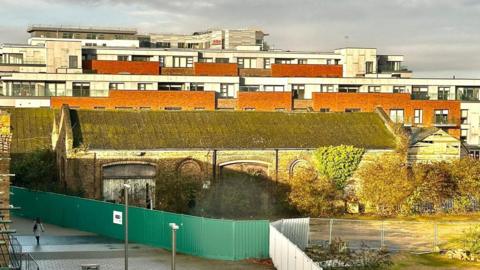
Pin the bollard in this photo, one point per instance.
(174, 242)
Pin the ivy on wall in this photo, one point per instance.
(337, 162)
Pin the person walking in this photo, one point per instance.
(38, 229)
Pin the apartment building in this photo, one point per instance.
(51, 70)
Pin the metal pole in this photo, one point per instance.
(126, 188)
(330, 232)
(174, 242)
(383, 235)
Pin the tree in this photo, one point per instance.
(315, 196)
(466, 173)
(35, 170)
(384, 183)
(337, 163)
(177, 194)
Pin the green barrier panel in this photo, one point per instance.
(204, 237)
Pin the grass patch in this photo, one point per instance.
(407, 261)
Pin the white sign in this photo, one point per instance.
(117, 217)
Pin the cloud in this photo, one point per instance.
(435, 36)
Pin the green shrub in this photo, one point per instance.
(35, 170)
(471, 239)
(337, 162)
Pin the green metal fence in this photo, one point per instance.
(204, 237)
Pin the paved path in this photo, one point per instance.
(67, 249)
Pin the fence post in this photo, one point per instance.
(330, 232)
(382, 235)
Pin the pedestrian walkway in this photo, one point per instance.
(67, 249)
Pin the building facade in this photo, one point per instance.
(101, 68)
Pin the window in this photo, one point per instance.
(221, 60)
(181, 45)
(324, 109)
(205, 60)
(249, 88)
(348, 88)
(196, 87)
(67, 35)
(247, 62)
(72, 61)
(80, 89)
(396, 115)
(122, 57)
(143, 58)
(267, 63)
(399, 89)
(13, 58)
(418, 116)
(170, 86)
(273, 88)
(116, 86)
(23, 89)
(55, 89)
(330, 61)
(475, 154)
(441, 116)
(351, 110)
(162, 44)
(374, 89)
(91, 36)
(192, 45)
(443, 92)
(142, 86)
(420, 93)
(283, 61)
(161, 60)
(302, 61)
(182, 61)
(464, 116)
(369, 67)
(298, 91)
(227, 90)
(463, 135)
(327, 88)
(468, 93)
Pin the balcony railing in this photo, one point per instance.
(445, 121)
(420, 95)
(28, 263)
(23, 63)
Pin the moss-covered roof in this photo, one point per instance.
(138, 130)
(31, 129)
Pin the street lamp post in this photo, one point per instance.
(126, 188)
(174, 242)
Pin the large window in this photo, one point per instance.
(116, 86)
(181, 61)
(468, 93)
(142, 58)
(247, 62)
(443, 92)
(273, 88)
(298, 91)
(23, 89)
(197, 87)
(348, 88)
(72, 61)
(170, 86)
(302, 61)
(249, 88)
(227, 90)
(374, 89)
(55, 89)
(418, 117)
(222, 60)
(441, 116)
(327, 88)
(122, 57)
(420, 92)
(162, 44)
(283, 61)
(399, 89)
(397, 115)
(80, 89)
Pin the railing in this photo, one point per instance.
(15, 252)
(445, 121)
(21, 63)
(420, 95)
(29, 263)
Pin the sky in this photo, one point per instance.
(439, 38)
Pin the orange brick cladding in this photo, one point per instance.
(155, 100)
(122, 67)
(285, 70)
(264, 101)
(215, 69)
(367, 102)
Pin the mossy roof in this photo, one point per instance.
(144, 130)
(31, 129)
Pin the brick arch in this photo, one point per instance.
(253, 167)
(297, 165)
(189, 168)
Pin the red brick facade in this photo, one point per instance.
(285, 70)
(122, 67)
(264, 101)
(215, 69)
(367, 102)
(155, 100)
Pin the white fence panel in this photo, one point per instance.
(286, 255)
(295, 229)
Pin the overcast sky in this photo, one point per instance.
(437, 37)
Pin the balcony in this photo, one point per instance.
(121, 67)
(445, 121)
(255, 72)
(177, 71)
(420, 96)
(22, 63)
(216, 69)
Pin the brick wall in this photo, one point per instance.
(117, 67)
(185, 100)
(285, 70)
(366, 102)
(264, 101)
(216, 69)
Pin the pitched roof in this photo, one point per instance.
(137, 130)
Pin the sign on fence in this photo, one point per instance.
(117, 217)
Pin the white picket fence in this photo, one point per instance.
(285, 253)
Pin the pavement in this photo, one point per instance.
(67, 249)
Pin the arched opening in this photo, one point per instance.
(140, 177)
